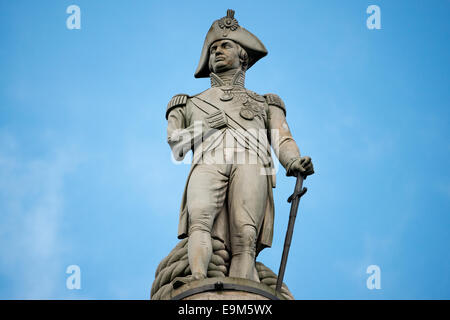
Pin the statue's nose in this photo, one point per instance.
(219, 51)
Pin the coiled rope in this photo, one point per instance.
(176, 264)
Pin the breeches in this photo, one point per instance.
(242, 188)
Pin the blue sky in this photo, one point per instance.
(86, 176)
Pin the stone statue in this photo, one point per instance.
(230, 130)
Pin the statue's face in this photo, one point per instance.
(223, 56)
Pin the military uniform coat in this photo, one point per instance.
(245, 110)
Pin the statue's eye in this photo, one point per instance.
(213, 49)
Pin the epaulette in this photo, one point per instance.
(274, 100)
(178, 100)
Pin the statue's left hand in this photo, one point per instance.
(303, 166)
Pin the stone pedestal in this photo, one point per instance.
(224, 289)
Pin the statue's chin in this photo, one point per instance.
(221, 67)
(220, 70)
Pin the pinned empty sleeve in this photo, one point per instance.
(178, 100)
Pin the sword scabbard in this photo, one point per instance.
(294, 199)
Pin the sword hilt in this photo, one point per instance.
(297, 194)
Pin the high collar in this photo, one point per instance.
(228, 78)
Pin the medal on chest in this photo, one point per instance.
(251, 109)
(250, 106)
(227, 94)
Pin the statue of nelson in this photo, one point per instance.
(230, 198)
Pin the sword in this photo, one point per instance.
(294, 199)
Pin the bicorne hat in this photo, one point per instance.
(228, 28)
